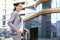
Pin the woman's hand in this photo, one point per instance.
(28, 31)
(18, 31)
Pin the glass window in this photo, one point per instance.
(14, 0)
(26, 3)
(1, 23)
(39, 7)
(7, 17)
(4, 22)
(53, 3)
(58, 28)
(9, 6)
(8, 11)
(4, 17)
(34, 0)
(58, 15)
(55, 19)
(58, 1)
(53, 16)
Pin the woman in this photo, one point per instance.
(15, 22)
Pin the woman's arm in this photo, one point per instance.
(27, 30)
(10, 21)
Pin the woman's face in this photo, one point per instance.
(19, 7)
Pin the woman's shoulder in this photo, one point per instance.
(13, 13)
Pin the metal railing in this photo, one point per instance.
(25, 36)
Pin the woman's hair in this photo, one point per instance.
(14, 9)
(15, 4)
